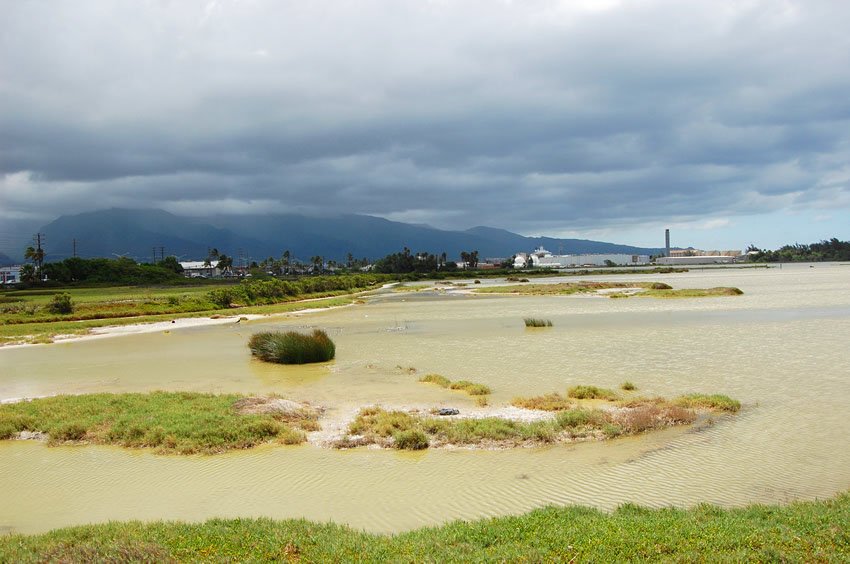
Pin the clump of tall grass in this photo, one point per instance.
(292, 347)
(714, 402)
(535, 322)
(628, 386)
(470, 388)
(412, 439)
(592, 392)
(548, 402)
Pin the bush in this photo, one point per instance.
(61, 304)
(292, 347)
(628, 386)
(412, 439)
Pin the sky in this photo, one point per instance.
(726, 121)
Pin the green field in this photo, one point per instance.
(816, 531)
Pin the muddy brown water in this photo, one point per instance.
(781, 349)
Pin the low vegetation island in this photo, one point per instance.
(168, 422)
(570, 422)
(611, 290)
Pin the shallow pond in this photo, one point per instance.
(781, 349)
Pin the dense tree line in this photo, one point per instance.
(273, 290)
(113, 271)
(405, 262)
(815, 252)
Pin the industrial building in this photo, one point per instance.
(541, 258)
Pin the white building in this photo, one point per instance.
(544, 259)
(199, 269)
(10, 274)
(699, 259)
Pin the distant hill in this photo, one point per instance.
(135, 233)
(6, 260)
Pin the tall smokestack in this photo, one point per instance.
(666, 242)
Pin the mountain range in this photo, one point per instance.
(141, 234)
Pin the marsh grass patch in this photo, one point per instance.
(471, 388)
(169, 422)
(592, 392)
(547, 402)
(713, 402)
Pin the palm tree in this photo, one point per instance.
(224, 263)
(37, 258)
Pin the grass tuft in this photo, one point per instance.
(628, 386)
(411, 439)
(470, 388)
(438, 379)
(548, 402)
(592, 392)
(292, 347)
(535, 322)
(713, 402)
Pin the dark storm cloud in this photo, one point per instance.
(532, 116)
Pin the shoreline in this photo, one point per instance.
(140, 328)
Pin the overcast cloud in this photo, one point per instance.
(593, 118)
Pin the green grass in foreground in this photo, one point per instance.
(170, 422)
(812, 531)
(470, 388)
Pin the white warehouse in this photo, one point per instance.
(544, 259)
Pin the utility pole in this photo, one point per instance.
(74, 243)
(154, 255)
(162, 253)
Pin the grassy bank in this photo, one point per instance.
(814, 531)
(24, 317)
(170, 422)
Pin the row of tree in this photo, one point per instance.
(831, 250)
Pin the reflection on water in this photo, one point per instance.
(780, 349)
